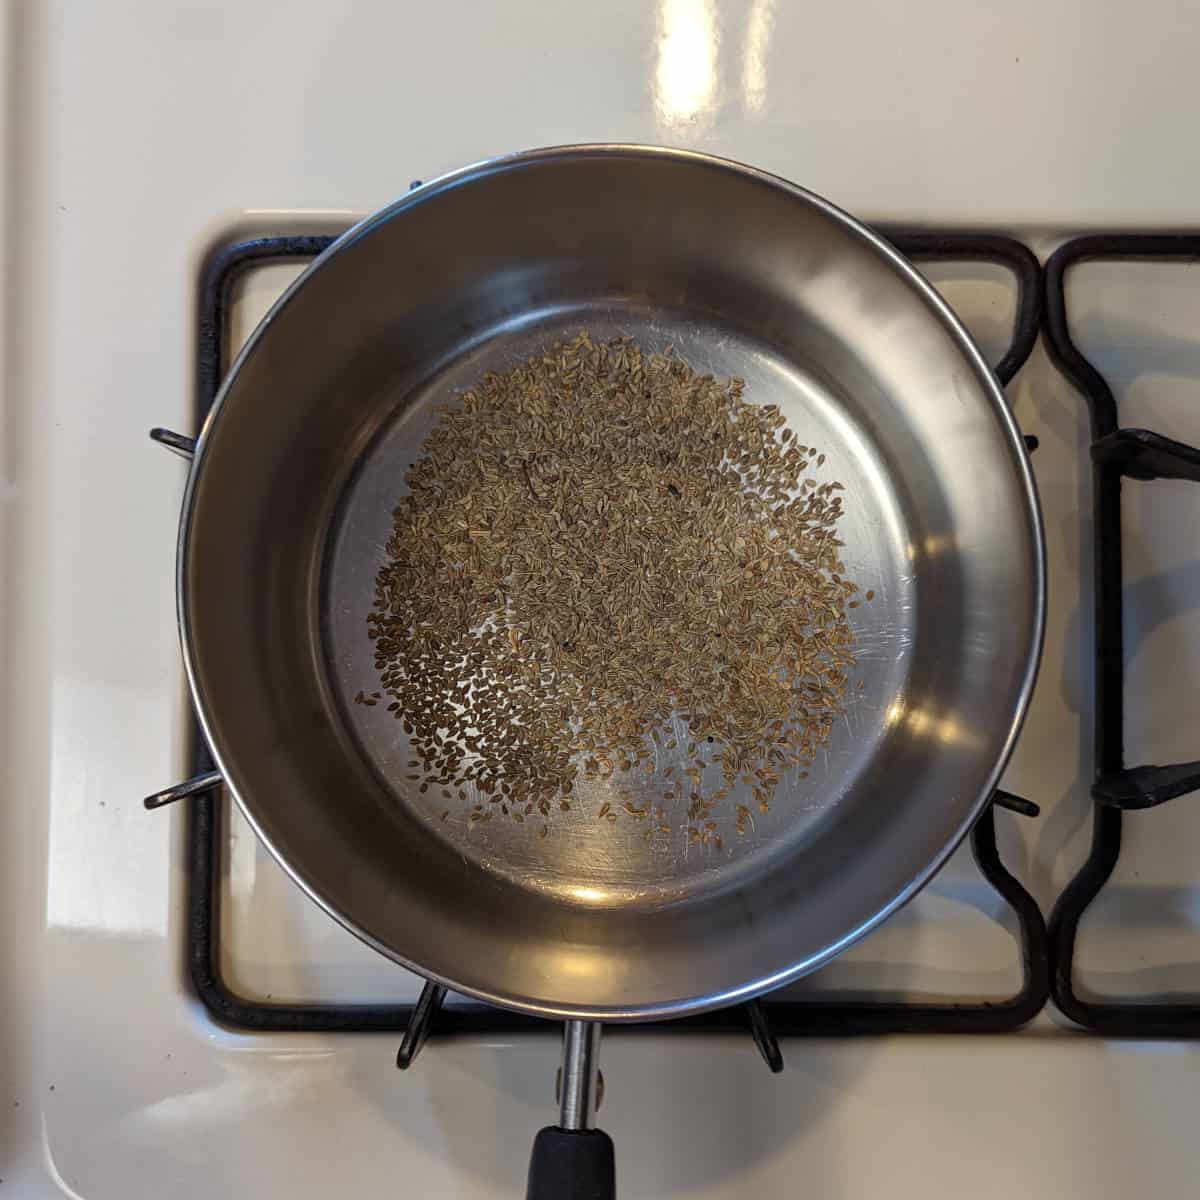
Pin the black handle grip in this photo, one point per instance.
(571, 1165)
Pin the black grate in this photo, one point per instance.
(765, 1019)
(1117, 454)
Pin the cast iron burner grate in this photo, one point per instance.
(766, 1019)
(1117, 454)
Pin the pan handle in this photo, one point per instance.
(572, 1160)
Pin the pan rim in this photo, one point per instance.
(686, 1005)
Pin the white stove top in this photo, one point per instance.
(143, 133)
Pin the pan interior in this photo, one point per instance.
(594, 861)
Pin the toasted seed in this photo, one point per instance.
(596, 573)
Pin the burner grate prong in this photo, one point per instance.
(420, 1024)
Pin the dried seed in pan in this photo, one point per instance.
(554, 668)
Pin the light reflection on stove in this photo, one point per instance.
(754, 67)
(686, 78)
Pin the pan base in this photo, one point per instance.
(583, 860)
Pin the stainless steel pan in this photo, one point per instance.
(288, 503)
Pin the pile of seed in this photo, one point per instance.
(597, 549)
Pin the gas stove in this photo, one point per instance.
(174, 1014)
(234, 939)
(225, 860)
(972, 954)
